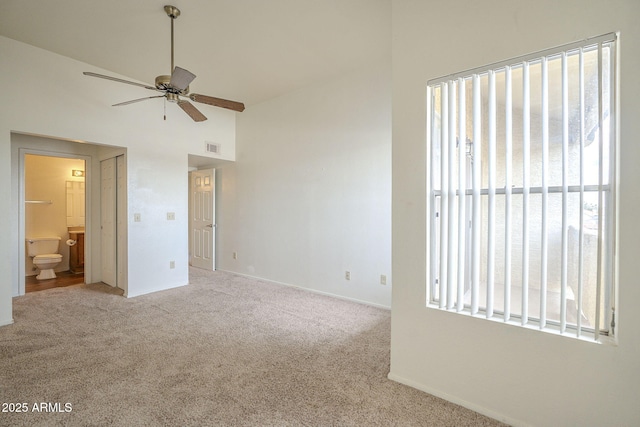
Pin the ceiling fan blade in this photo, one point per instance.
(217, 102)
(192, 111)
(180, 78)
(115, 79)
(137, 100)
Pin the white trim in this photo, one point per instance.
(454, 399)
(315, 291)
(529, 58)
(6, 322)
(126, 293)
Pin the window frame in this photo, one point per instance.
(435, 285)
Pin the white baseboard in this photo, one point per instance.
(6, 322)
(315, 291)
(137, 294)
(453, 399)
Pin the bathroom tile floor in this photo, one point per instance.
(65, 278)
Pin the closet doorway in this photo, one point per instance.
(113, 219)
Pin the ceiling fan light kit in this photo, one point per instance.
(176, 86)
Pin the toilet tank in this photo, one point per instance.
(42, 245)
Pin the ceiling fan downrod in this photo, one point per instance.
(172, 12)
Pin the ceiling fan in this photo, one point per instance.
(176, 86)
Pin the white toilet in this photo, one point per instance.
(44, 251)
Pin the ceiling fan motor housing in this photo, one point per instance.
(164, 83)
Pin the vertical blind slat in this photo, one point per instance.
(477, 176)
(434, 158)
(565, 193)
(507, 199)
(610, 248)
(462, 181)
(608, 205)
(545, 192)
(453, 223)
(581, 234)
(491, 163)
(444, 184)
(526, 142)
(600, 195)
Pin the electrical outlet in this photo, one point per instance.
(347, 275)
(235, 255)
(172, 264)
(383, 279)
(136, 217)
(171, 216)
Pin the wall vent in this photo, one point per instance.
(210, 147)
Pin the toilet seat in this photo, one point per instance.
(47, 258)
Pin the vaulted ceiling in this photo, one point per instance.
(245, 50)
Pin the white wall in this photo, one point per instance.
(309, 196)
(522, 376)
(47, 95)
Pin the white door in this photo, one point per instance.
(75, 203)
(203, 224)
(108, 221)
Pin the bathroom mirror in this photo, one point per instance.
(75, 203)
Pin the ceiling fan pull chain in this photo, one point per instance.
(165, 109)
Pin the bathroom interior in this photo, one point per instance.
(54, 221)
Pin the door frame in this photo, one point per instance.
(122, 226)
(22, 152)
(190, 214)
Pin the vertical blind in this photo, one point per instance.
(522, 191)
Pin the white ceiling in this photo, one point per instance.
(244, 50)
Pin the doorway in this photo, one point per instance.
(55, 207)
(25, 144)
(202, 219)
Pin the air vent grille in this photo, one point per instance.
(211, 147)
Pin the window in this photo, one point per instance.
(522, 190)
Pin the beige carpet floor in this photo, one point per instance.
(223, 351)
